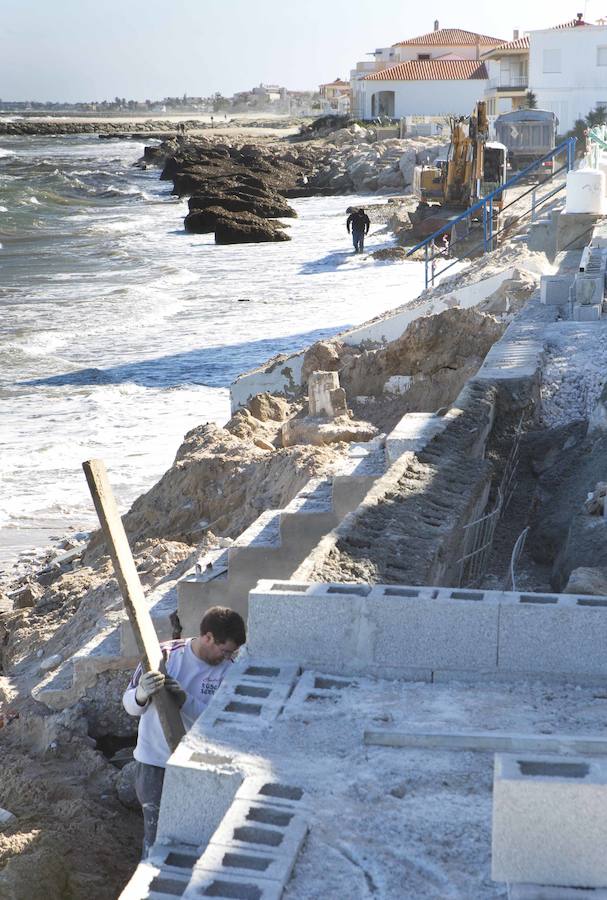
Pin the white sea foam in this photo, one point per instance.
(126, 332)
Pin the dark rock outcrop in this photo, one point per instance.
(245, 228)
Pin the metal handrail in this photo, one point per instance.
(486, 205)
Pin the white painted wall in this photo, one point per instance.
(426, 98)
(578, 80)
(286, 375)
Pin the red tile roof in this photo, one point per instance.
(431, 70)
(449, 36)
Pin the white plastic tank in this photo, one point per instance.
(603, 169)
(586, 191)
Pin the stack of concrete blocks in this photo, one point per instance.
(550, 822)
(588, 289)
(251, 854)
(429, 633)
(256, 844)
(251, 696)
(278, 541)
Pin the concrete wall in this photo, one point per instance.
(409, 631)
(285, 376)
(426, 98)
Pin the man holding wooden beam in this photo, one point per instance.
(194, 670)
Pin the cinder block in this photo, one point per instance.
(315, 691)
(246, 863)
(550, 820)
(252, 826)
(179, 859)
(552, 633)
(227, 887)
(554, 289)
(263, 790)
(247, 704)
(150, 882)
(262, 671)
(590, 313)
(456, 630)
(199, 787)
(312, 627)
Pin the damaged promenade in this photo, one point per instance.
(337, 510)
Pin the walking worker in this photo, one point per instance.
(360, 223)
(194, 670)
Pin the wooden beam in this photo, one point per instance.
(132, 594)
(489, 742)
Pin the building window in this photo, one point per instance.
(423, 56)
(601, 56)
(552, 61)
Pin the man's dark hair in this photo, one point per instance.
(224, 624)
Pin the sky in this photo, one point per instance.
(148, 49)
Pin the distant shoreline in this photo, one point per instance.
(148, 125)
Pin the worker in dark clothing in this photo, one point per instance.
(360, 223)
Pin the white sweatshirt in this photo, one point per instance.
(198, 679)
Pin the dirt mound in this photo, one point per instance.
(72, 838)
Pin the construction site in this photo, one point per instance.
(411, 519)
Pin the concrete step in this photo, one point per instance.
(279, 540)
(65, 685)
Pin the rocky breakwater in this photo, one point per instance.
(235, 190)
(352, 160)
(134, 129)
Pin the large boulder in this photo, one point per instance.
(246, 228)
(269, 207)
(407, 164)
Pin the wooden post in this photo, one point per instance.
(132, 594)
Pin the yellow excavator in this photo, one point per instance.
(473, 168)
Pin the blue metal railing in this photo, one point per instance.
(485, 208)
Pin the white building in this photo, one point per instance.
(568, 70)
(434, 74)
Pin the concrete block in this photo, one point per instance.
(199, 787)
(587, 313)
(552, 633)
(179, 859)
(315, 626)
(252, 826)
(550, 821)
(267, 672)
(554, 289)
(226, 859)
(246, 704)
(221, 885)
(455, 631)
(413, 433)
(267, 791)
(315, 691)
(149, 882)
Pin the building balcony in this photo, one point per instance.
(509, 83)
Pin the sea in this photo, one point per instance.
(119, 332)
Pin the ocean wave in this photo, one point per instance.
(4, 152)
